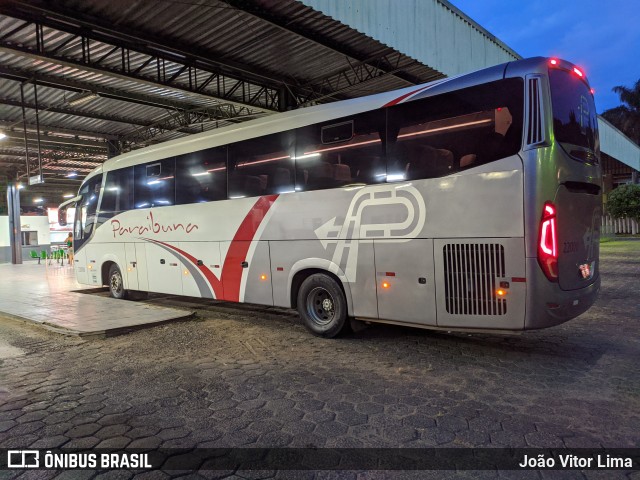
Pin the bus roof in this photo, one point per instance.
(299, 118)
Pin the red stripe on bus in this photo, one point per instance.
(228, 286)
(232, 266)
(402, 97)
(518, 279)
(216, 284)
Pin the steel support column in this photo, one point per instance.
(15, 234)
(24, 126)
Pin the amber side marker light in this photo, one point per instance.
(263, 277)
(501, 292)
(386, 284)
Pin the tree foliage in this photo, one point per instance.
(626, 117)
(624, 201)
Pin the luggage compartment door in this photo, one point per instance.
(405, 281)
(164, 270)
(247, 272)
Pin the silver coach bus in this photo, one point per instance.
(471, 203)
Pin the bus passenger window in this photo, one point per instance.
(341, 152)
(155, 184)
(438, 135)
(118, 193)
(201, 176)
(261, 166)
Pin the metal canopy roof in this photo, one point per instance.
(107, 77)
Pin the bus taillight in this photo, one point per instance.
(548, 243)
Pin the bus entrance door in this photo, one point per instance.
(405, 283)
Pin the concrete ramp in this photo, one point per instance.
(48, 295)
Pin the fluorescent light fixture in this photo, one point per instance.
(246, 164)
(38, 200)
(395, 177)
(3, 135)
(342, 147)
(72, 174)
(82, 98)
(448, 127)
(20, 186)
(201, 174)
(308, 155)
(68, 195)
(159, 180)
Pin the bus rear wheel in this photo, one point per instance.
(322, 306)
(116, 284)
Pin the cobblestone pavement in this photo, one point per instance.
(242, 376)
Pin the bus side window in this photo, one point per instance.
(438, 135)
(261, 166)
(342, 152)
(85, 219)
(117, 195)
(155, 184)
(201, 176)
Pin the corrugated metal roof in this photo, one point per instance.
(273, 44)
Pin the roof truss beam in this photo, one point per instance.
(162, 55)
(75, 112)
(60, 83)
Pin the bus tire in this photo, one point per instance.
(322, 306)
(116, 284)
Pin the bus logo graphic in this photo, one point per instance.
(406, 203)
(23, 458)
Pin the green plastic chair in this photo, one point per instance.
(43, 255)
(33, 254)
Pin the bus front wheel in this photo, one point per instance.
(322, 306)
(116, 284)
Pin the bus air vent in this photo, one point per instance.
(471, 276)
(534, 135)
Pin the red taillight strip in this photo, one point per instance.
(548, 243)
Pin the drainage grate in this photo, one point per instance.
(470, 273)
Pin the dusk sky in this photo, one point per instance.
(602, 37)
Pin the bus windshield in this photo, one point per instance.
(574, 116)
